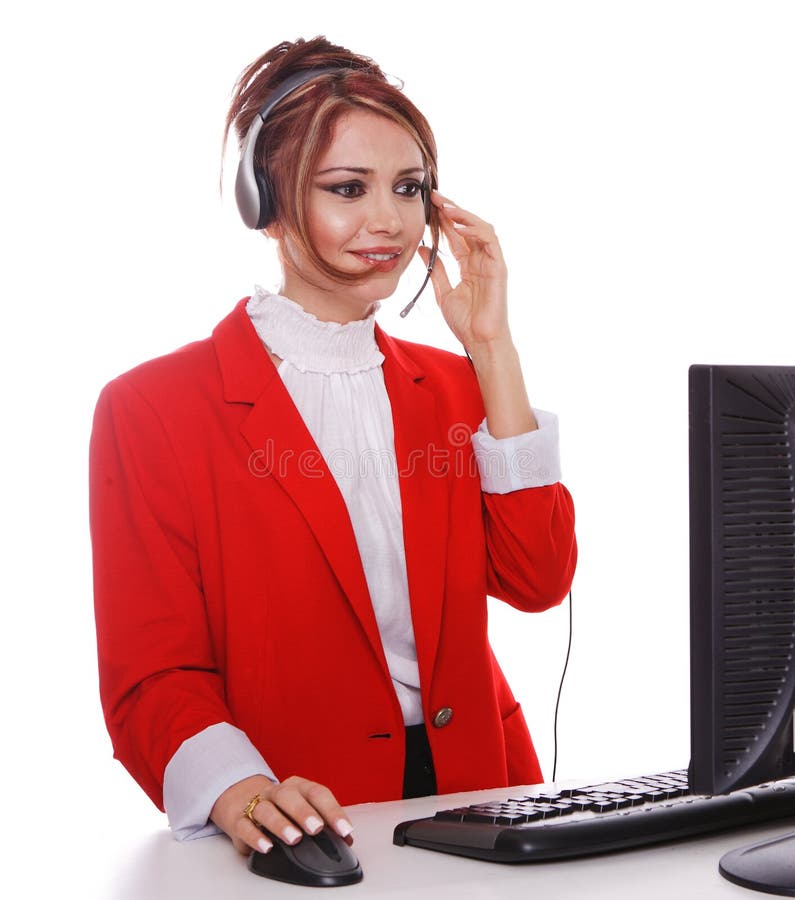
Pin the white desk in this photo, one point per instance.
(160, 868)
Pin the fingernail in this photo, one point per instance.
(291, 834)
(313, 824)
(344, 827)
(264, 845)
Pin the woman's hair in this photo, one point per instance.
(300, 128)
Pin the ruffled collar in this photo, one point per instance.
(310, 345)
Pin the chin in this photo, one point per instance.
(383, 294)
(377, 287)
(359, 297)
(381, 291)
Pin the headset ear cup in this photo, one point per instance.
(256, 199)
(426, 199)
(267, 200)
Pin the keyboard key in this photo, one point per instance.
(611, 787)
(603, 806)
(511, 819)
(480, 817)
(546, 810)
(449, 815)
(532, 816)
(635, 785)
(564, 806)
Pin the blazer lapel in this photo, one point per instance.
(422, 463)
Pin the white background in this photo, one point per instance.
(636, 161)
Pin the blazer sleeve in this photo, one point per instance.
(159, 684)
(528, 516)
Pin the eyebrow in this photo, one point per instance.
(362, 171)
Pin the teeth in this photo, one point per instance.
(381, 257)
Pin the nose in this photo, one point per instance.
(383, 214)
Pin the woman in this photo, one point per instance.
(296, 521)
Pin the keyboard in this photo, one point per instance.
(558, 824)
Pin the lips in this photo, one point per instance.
(378, 251)
(384, 259)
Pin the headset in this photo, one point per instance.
(256, 199)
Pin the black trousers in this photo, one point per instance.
(419, 778)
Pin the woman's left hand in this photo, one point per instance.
(477, 308)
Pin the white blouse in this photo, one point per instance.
(333, 374)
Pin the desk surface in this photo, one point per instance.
(157, 867)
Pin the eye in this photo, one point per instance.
(410, 188)
(350, 189)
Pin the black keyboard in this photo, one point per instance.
(556, 824)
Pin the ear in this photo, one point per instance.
(274, 230)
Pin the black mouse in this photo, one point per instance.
(320, 860)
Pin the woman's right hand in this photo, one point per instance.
(285, 809)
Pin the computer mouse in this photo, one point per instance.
(320, 860)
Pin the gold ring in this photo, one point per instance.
(248, 812)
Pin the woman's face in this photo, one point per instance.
(364, 204)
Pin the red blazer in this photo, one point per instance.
(229, 587)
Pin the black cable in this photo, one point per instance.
(560, 688)
(429, 269)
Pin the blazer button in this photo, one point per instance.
(443, 717)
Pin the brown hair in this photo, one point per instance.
(300, 128)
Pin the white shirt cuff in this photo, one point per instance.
(525, 460)
(203, 767)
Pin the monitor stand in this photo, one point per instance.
(768, 866)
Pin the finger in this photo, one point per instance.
(289, 798)
(477, 233)
(457, 213)
(310, 805)
(476, 239)
(464, 238)
(458, 246)
(271, 816)
(468, 225)
(248, 837)
(326, 804)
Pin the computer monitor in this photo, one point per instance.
(742, 583)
